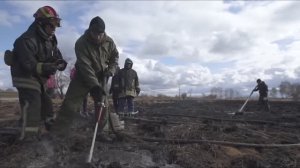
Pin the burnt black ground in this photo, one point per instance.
(195, 121)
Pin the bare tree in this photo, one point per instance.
(229, 93)
(62, 81)
(295, 94)
(217, 91)
(190, 91)
(285, 89)
(273, 92)
(179, 90)
(10, 90)
(184, 96)
(288, 90)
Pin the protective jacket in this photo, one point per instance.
(94, 59)
(262, 88)
(114, 87)
(31, 50)
(128, 81)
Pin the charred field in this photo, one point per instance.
(166, 133)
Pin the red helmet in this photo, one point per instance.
(47, 14)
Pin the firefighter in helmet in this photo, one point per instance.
(34, 58)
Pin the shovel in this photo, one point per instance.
(94, 137)
(242, 108)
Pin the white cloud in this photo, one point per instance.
(28, 8)
(247, 35)
(231, 42)
(67, 37)
(5, 77)
(8, 19)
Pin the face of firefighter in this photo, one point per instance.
(50, 26)
(97, 36)
(128, 66)
(50, 29)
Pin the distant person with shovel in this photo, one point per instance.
(34, 59)
(97, 58)
(262, 88)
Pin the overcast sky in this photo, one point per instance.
(197, 45)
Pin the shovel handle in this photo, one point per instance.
(94, 137)
(242, 108)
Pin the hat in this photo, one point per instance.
(97, 25)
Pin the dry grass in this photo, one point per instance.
(4, 94)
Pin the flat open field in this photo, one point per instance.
(167, 133)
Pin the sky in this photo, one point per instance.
(191, 45)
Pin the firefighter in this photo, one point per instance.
(34, 59)
(97, 58)
(128, 88)
(262, 88)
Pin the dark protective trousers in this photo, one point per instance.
(126, 101)
(263, 103)
(75, 95)
(84, 104)
(39, 106)
(115, 103)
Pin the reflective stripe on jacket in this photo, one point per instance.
(32, 49)
(128, 82)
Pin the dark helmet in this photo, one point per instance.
(128, 63)
(258, 80)
(47, 15)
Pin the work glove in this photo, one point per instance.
(61, 64)
(106, 74)
(138, 90)
(49, 69)
(97, 92)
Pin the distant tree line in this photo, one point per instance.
(284, 90)
(221, 93)
(8, 90)
(287, 90)
(62, 81)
